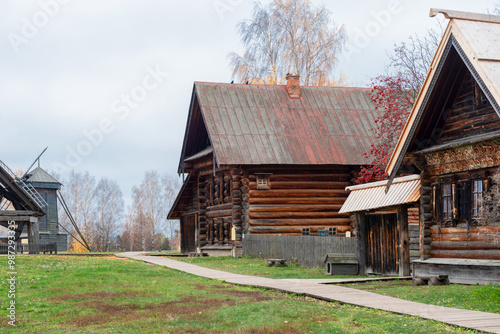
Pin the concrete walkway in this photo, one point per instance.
(487, 322)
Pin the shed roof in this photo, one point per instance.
(476, 37)
(261, 124)
(372, 196)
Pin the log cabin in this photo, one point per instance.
(267, 159)
(452, 139)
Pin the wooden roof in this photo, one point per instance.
(12, 191)
(261, 124)
(473, 40)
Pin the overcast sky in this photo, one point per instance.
(106, 85)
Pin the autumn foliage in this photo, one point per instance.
(393, 98)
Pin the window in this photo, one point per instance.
(477, 196)
(306, 231)
(263, 181)
(447, 201)
(332, 231)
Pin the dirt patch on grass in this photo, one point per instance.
(124, 313)
(255, 296)
(100, 295)
(286, 330)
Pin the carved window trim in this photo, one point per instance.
(445, 206)
(477, 194)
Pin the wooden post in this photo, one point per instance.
(403, 241)
(361, 234)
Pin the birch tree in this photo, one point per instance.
(109, 207)
(288, 36)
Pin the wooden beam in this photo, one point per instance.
(361, 234)
(455, 14)
(403, 241)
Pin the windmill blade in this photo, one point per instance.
(38, 158)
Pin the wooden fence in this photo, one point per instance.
(309, 251)
(30, 248)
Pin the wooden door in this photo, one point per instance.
(188, 234)
(382, 244)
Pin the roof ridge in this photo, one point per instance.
(469, 16)
(269, 85)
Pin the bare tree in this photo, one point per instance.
(411, 59)
(109, 211)
(79, 193)
(97, 208)
(147, 216)
(288, 36)
(171, 186)
(496, 9)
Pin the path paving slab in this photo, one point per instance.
(482, 321)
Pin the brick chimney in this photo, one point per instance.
(293, 85)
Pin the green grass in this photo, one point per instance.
(258, 267)
(485, 298)
(64, 294)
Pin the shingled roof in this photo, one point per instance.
(261, 124)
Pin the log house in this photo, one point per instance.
(452, 139)
(265, 159)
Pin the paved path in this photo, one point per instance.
(488, 322)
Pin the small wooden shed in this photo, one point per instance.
(382, 224)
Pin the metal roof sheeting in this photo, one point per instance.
(373, 196)
(201, 154)
(261, 124)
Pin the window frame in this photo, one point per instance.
(263, 181)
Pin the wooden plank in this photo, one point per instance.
(403, 241)
(361, 238)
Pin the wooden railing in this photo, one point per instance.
(30, 248)
(308, 251)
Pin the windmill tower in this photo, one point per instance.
(48, 225)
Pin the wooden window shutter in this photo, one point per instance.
(454, 194)
(465, 198)
(439, 203)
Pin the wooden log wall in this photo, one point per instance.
(296, 200)
(460, 238)
(480, 242)
(216, 208)
(472, 114)
(414, 232)
(237, 206)
(425, 216)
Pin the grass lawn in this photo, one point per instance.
(64, 294)
(257, 267)
(485, 298)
